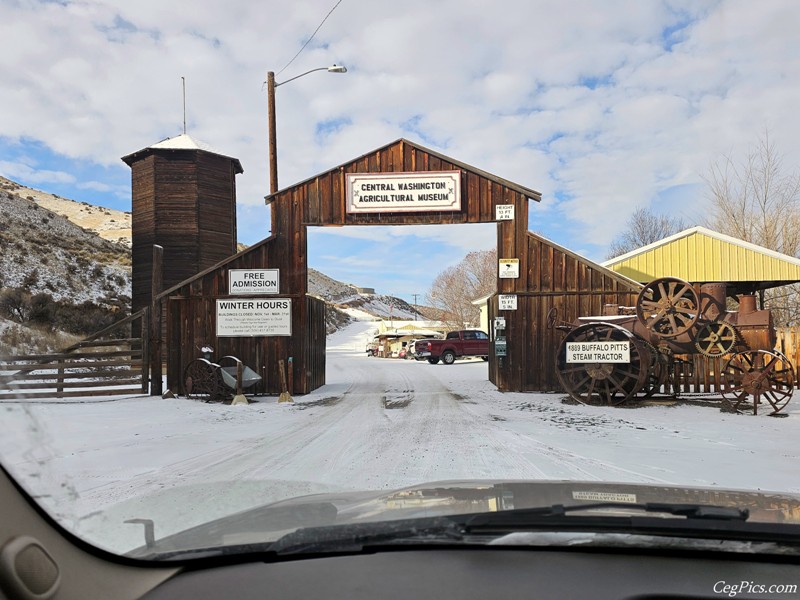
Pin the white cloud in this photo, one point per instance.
(25, 171)
(602, 106)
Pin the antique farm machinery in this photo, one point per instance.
(631, 352)
(209, 381)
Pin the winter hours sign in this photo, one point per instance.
(256, 317)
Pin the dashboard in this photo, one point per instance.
(487, 574)
(40, 561)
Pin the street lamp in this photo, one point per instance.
(273, 152)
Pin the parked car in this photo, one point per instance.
(411, 349)
(457, 344)
(372, 348)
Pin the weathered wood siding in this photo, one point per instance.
(184, 201)
(322, 199)
(552, 277)
(143, 229)
(549, 275)
(190, 315)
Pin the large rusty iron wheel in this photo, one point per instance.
(668, 306)
(202, 381)
(766, 377)
(603, 384)
(715, 339)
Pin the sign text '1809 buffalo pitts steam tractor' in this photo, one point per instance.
(629, 352)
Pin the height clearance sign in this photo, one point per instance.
(423, 191)
(598, 352)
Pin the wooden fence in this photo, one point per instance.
(110, 362)
(695, 373)
(698, 373)
(789, 344)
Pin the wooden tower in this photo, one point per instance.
(183, 199)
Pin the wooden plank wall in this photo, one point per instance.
(551, 278)
(184, 201)
(143, 228)
(216, 208)
(323, 198)
(316, 342)
(789, 343)
(176, 224)
(190, 315)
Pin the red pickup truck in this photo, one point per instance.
(457, 344)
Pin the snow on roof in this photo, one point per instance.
(179, 142)
(183, 142)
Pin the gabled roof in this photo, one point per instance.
(529, 193)
(602, 268)
(179, 142)
(701, 255)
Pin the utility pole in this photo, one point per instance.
(273, 150)
(273, 143)
(416, 312)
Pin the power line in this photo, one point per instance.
(311, 38)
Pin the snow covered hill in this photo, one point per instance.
(78, 253)
(55, 276)
(343, 295)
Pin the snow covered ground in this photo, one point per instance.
(376, 424)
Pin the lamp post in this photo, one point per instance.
(273, 151)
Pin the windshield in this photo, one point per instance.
(392, 262)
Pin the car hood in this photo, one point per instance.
(442, 498)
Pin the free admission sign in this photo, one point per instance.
(423, 191)
(253, 281)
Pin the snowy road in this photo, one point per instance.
(376, 424)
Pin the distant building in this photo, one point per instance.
(363, 290)
(395, 335)
(483, 304)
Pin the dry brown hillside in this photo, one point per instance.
(110, 224)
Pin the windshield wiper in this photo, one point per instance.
(355, 537)
(349, 538)
(522, 516)
(328, 539)
(692, 521)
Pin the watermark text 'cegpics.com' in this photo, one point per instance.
(751, 587)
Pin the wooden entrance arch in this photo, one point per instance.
(322, 200)
(548, 275)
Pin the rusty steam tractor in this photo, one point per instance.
(632, 352)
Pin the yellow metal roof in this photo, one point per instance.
(701, 255)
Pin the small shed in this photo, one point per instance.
(701, 255)
(554, 278)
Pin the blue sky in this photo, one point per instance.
(601, 106)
